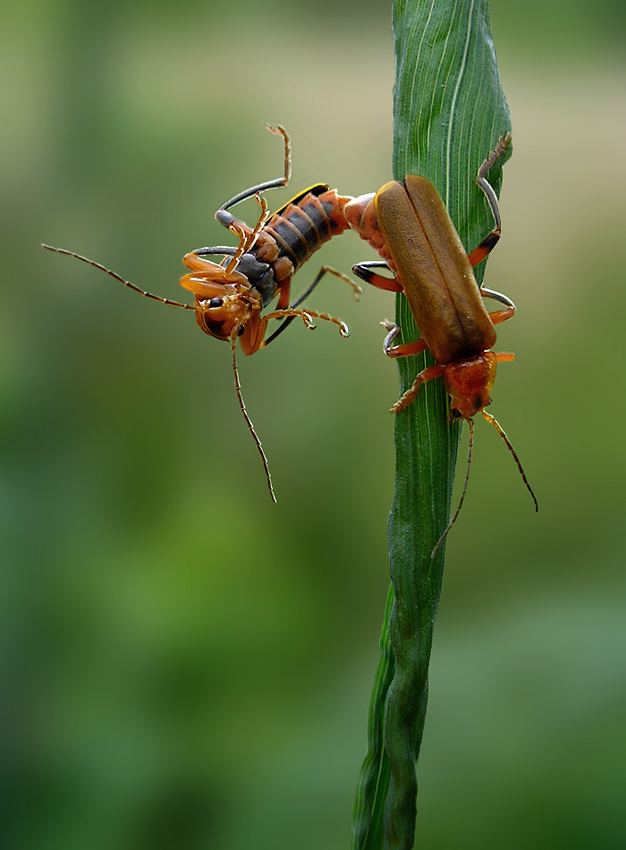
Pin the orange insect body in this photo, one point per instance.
(409, 226)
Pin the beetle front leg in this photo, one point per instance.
(254, 331)
(195, 261)
(409, 396)
(251, 340)
(404, 350)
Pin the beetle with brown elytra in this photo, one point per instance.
(409, 226)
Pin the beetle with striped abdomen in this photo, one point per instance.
(229, 296)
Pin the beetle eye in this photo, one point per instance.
(455, 413)
(215, 302)
(241, 330)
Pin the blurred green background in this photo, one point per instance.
(184, 664)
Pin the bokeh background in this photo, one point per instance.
(184, 664)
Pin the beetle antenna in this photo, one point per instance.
(498, 428)
(233, 341)
(470, 422)
(117, 277)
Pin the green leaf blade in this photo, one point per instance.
(449, 111)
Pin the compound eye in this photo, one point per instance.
(456, 414)
(215, 302)
(241, 330)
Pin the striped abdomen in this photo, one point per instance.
(297, 230)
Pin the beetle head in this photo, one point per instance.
(223, 305)
(469, 383)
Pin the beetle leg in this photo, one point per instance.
(490, 241)
(263, 217)
(363, 270)
(307, 317)
(252, 337)
(196, 262)
(408, 398)
(357, 289)
(224, 217)
(499, 316)
(403, 350)
(246, 236)
(498, 296)
(222, 250)
(481, 251)
(284, 288)
(502, 145)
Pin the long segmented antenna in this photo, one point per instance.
(118, 277)
(233, 341)
(500, 431)
(470, 422)
(498, 428)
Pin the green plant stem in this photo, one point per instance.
(449, 111)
